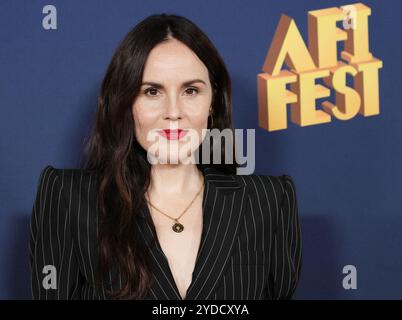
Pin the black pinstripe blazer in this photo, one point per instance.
(250, 244)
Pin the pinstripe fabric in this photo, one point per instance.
(250, 244)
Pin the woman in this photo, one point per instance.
(126, 226)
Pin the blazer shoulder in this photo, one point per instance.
(271, 186)
(72, 183)
(67, 175)
(73, 187)
(255, 180)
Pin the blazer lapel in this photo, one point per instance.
(164, 287)
(223, 206)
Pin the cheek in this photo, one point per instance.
(144, 121)
(197, 114)
(202, 120)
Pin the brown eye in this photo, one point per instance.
(151, 92)
(191, 91)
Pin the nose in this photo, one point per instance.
(173, 109)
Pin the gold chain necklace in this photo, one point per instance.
(177, 226)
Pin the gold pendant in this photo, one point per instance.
(178, 227)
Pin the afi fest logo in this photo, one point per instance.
(297, 84)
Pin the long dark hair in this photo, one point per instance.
(111, 148)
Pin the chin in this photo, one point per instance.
(170, 159)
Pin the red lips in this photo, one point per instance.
(172, 134)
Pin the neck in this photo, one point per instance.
(175, 179)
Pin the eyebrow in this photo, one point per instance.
(185, 84)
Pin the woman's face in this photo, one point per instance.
(176, 93)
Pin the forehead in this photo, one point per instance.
(173, 61)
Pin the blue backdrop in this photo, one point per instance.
(348, 174)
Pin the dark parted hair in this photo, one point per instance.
(121, 164)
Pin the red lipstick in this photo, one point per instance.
(172, 134)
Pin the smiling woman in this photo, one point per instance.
(121, 227)
(176, 91)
